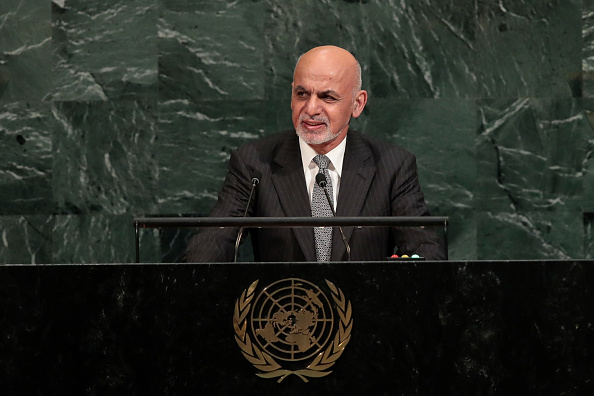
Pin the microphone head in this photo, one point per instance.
(321, 180)
(256, 175)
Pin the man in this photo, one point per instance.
(364, 177)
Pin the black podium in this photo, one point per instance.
(447, 328)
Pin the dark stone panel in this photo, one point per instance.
(276, 114)
(532, 155)
(436, 131)
(153, 247)
(211, 53)
(104, 50)
(4, 79)
(587, 105)
(25, 48)
(168, 245)
(422, 49)
(293, 28)
(527, 48)
(457, 328)
(91, 239)
(173, 243)
(461, 232)
(104, 157)
(26, 239)
(589, 235)
(587, 78)
(530, 234)
(26, 152)
(195, 142)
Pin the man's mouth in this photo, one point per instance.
(313, 125)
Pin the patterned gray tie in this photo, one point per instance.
(321, 208)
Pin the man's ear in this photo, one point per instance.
(292, 87)
(360, 102)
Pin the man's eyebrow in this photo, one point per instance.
(323, 94)
(329, 92)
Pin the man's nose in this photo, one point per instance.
(313, 106)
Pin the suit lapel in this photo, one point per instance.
(289, 182)
(358, 170)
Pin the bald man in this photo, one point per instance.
(365, 177)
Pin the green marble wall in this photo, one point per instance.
(117, 109)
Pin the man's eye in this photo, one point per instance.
(301, 94)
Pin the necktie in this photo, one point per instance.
(321, 208)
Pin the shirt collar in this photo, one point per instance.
(336, 156)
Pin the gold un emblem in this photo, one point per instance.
(291, 328)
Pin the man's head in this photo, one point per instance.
(326, 94)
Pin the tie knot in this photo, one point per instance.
(322, 161)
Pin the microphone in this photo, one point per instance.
(321, 181)
(255, 182)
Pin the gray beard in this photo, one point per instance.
(316, 138)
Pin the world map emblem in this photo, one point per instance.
(292, 328)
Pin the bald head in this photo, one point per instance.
(332, 58)
(326, 94)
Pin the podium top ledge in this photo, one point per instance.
(273, 222)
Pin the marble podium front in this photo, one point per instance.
(447, 328)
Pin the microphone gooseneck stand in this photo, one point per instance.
(255, 182)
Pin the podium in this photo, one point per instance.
(447, 328)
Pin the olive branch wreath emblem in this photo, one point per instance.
(267, 365)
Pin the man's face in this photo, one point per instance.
(322, 103)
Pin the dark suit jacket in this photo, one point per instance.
(378, 179)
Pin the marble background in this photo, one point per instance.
(124, 108)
